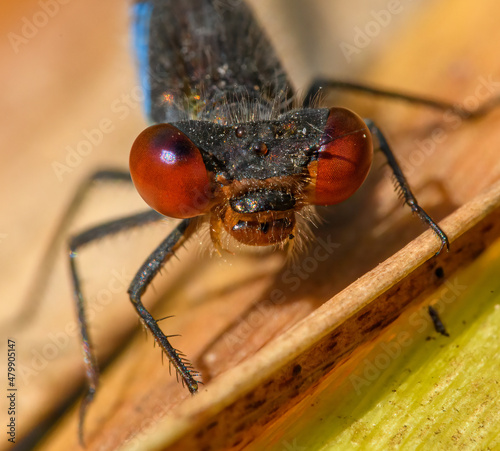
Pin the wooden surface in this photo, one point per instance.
(66, 79)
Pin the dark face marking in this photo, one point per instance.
(262, 200)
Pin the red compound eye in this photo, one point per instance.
(168, 171)
(344, 158)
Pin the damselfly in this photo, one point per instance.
(232, 150)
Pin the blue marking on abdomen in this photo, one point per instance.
(141, 12)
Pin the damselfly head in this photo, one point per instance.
(252, 178)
